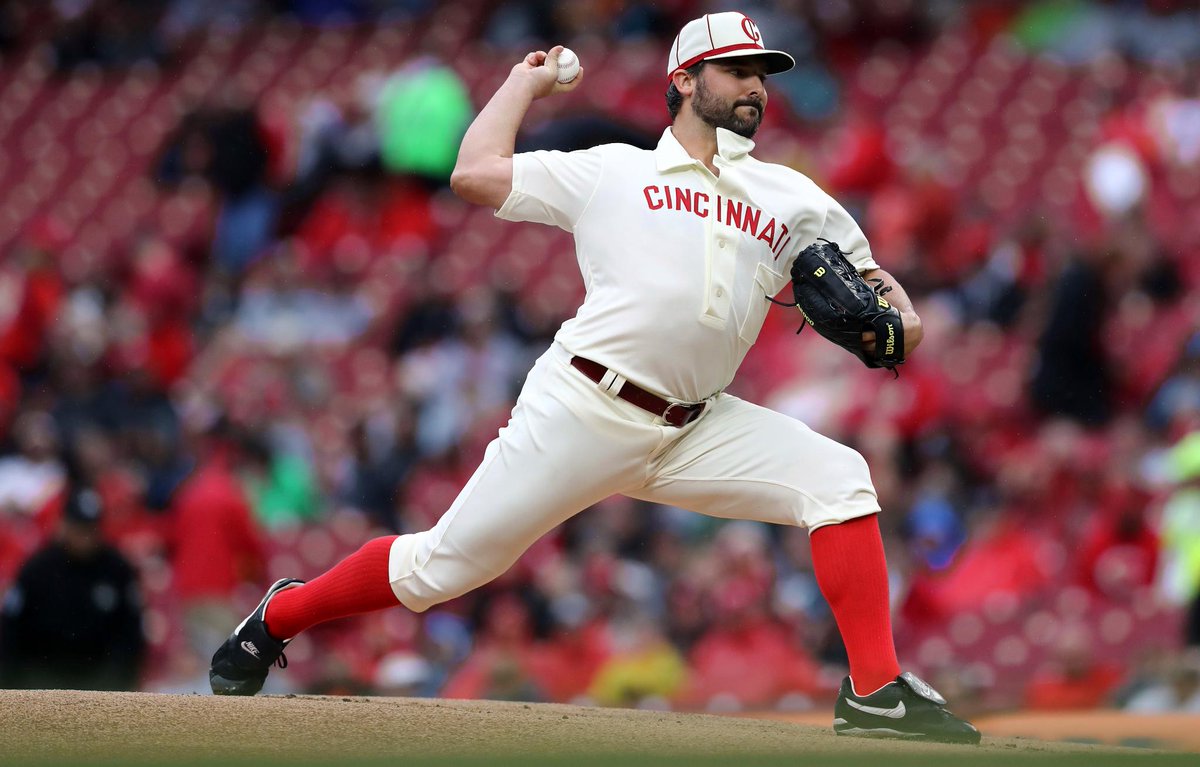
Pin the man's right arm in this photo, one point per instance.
(484, 171)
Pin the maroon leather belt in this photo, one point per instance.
(674, 413)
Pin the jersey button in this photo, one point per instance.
(720, 243)
(719, 291)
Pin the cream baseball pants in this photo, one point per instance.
(569, 445)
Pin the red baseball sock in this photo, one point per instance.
(357, 584)
(852, 572)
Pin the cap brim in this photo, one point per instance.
(777, 61)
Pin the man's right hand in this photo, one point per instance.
(483, 173)
(540, 70)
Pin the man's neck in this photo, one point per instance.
(698, 139)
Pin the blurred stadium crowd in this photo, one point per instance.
(245, 324)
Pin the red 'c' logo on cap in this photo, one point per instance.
(750, 28)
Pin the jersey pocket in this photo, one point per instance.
(767, 282)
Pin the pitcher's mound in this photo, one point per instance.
(67, 727)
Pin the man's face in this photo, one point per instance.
(82, 540)
(731, 94)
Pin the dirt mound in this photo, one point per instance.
(66, 727)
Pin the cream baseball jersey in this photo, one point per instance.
(677, 262)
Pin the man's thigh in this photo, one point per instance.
(743, 461)
(565, 448)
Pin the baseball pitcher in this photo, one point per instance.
(679, 248)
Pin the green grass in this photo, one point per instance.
(962, 756)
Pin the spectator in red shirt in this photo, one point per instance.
(1005, 553)
(1076, 681)
(214, 543)
(1119, 551)
(38, 291)
(748, 659)
(502, 666)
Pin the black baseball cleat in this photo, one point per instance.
(905, 708)
(240, 665)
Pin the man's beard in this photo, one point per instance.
(720, 114)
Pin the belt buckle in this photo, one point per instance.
(689, 416)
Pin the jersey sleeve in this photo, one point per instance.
(551, 187)
(840, 227)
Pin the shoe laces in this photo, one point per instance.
(281, 661)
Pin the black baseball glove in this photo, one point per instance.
(841, 305)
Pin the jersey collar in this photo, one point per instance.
(731, 146)
(670, 154)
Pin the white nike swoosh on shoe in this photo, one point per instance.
(250, 648)
(895, 712)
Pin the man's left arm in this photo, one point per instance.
(913, 332)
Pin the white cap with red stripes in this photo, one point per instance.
(723, 36)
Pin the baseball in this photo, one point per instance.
(568, 65)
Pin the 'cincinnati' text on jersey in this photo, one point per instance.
(735, 213)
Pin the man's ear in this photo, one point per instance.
(684, 83)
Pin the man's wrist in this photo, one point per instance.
(913, 331)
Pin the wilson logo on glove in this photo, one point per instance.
(841, 305)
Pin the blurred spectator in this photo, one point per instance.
(645, 670)
(1177, 693)
(1076, 680)
(284, 309)
(503, 663)
(214, 544)
(336, 136)
(932, 526)
(357, 217)
(224, 143)
(1118, 552)
(576, 652)
(1177, 400)
(432, 317)
(238, 167)
(461, 379)
(402, 674)
(1072, 376)
(1175, 121)
(748, 660)
(423, 111)
(446, 642)
(93, 460)
(280, 485)
(32, 476)
(1004, 554)
(1009, 273)
(73, 618)
(34, 287)
(1180, 527)
(384, 455)
(858, 162)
